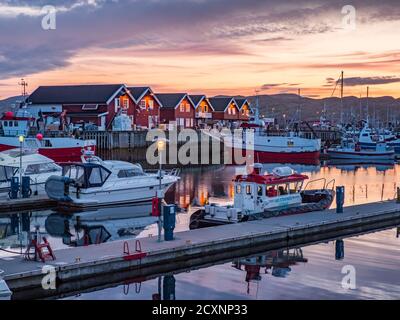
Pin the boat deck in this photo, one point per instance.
(107, 262)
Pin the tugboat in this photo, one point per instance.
(258, 196)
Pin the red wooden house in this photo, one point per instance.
(203, 110)
(146, 109)
(244, 109)
(226, 110)
(84, 104)
(177, 110)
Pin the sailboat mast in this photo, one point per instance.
(341, 97)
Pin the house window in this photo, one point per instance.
(233, 111)
(117, 104)
(238, 189)
(229, 111)
(126, 103)
(142, 104)
(205, 108)
(151, 104)
(187, 107)
(188, 123)
(182, 107)
(248, 189)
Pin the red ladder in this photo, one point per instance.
(42, 250)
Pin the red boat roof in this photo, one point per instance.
(270, 178)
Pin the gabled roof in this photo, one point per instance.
(221, 104)
(76, 94)
(241, 102)
(138, 93)
(172, 100)
(197, 99)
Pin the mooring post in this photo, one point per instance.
(398, 194)
(339, 199)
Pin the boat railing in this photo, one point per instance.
(333, 182)
(316, 180)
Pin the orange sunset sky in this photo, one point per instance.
(204, 46)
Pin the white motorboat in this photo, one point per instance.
(354, 151)
(96, 183)
(34, 165)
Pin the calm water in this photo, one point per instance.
(308, 273)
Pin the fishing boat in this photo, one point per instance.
(51, 144)
(354, 151)
(258, 196)
(34, 165)
(95, 183)
(289, 148)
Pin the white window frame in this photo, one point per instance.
(117, 104)
(143, 104)
(151, 104)
(188, 107)
(182, 107)
(125, 103)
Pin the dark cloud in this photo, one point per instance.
(191, 27)
(362, 81)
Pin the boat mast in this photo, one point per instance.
(341, 97)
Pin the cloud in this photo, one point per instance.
(279, 85)
(155, 27)
(362, 81)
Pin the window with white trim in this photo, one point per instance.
(187, 122)
(187, 107)
(117, 104)
(182, 107)
(151, 104)
(126, 103)
(142, 104)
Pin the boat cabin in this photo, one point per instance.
(86, 175)
(257, 192)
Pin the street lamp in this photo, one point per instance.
(161, 145)
(21, 139)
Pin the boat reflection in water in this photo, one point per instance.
(95, 227)
(74, 228)
(276, 263)
(352, 165)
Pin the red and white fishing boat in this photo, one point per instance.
(291, 148)
(259, 195)
(58, 148)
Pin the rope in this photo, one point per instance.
(9, 251)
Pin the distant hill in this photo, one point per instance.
(380, 108)
(10, 103)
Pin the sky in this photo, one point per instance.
(235, 47)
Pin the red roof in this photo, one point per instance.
(270, 178)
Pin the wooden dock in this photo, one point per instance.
(40, 202)
(84, 267)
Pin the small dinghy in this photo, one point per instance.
(259, 196)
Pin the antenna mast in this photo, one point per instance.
(23, 85)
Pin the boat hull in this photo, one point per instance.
(307, 158)
(62, 149)
(104, 198)
(367, 156)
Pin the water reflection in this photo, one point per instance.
(311, 272)
(364, 183)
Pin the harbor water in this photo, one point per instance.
(315, 271)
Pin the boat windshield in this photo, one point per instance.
(87, 175)
(6, 173)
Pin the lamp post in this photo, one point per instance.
(21, 139)
(161, 145)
